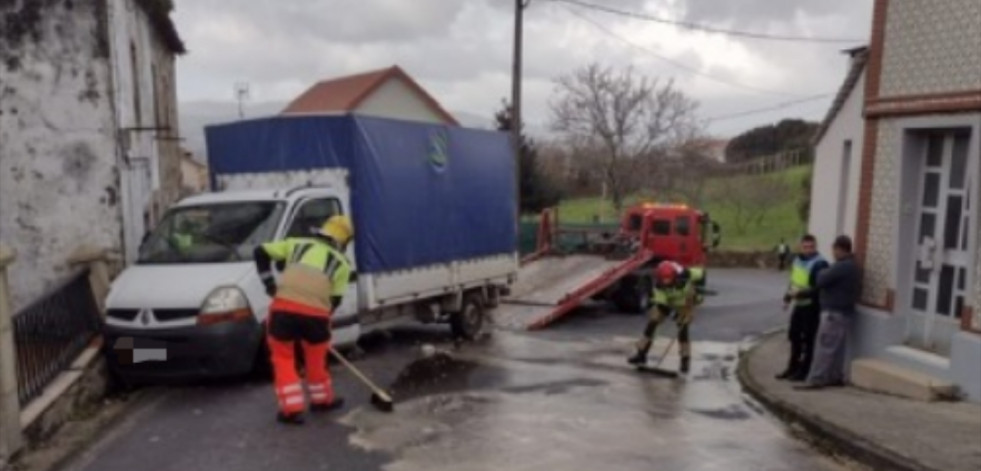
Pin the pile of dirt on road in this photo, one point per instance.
(439, 371)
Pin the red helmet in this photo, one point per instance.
(666, 272)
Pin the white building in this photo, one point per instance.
(388, 93)
(837, 163)
(899, 168)
(88, 130)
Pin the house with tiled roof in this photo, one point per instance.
(389, 93)
(899, 168)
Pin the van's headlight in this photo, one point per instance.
(226, 304)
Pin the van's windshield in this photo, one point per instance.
(214, 233)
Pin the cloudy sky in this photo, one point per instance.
(460, 50)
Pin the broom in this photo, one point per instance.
(656, 368)
(379, 398)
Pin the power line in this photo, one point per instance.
(709, 29)
(677, 64)
(778, 106)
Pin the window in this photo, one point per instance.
(213, 233)
(312, 215)
(135, 69)
(662, 227)
(636, 223)
(846, 166)
(682, 226)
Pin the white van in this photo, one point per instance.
(193, 305)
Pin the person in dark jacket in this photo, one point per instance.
(838, 288)
(806, 316)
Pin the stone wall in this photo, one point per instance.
(59, 187)
(81, 399)
(931, 48)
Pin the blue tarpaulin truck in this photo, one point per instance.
(434, 214)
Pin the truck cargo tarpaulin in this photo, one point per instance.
(421, 194)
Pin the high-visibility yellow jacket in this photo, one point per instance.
(800, 276)
(315, 272)
(683, 292)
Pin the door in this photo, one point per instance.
(139, 191)
(946, 218)
(307, 217)
(687, 239)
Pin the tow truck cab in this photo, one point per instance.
(678, 232)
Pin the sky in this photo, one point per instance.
(460, 51)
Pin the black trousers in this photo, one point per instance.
(804, 323)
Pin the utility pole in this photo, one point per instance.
(516, 122)
(241, 95)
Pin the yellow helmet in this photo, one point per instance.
(338, 228)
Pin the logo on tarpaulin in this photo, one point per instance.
(439, 153)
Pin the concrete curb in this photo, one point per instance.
(819, 432)
(65, 450)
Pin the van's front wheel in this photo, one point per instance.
(469, 322)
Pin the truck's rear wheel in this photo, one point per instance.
(634, 295)
(469, 322)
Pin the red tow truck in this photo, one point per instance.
(571, 266)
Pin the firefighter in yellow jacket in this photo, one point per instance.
(675, 292)
(312, 285)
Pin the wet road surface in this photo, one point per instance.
(519, 401)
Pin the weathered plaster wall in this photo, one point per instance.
(168, 145)
(932, 49)
(58, 182)
(145, 93)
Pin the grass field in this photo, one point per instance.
(781, 220)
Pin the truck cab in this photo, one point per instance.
(677, 232)
(193, 304)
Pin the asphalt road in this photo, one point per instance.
(563, 398)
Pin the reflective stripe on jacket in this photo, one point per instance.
(314, 273)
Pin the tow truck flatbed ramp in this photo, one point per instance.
(553, 286)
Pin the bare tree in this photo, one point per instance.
(622, 116)
(692, 168)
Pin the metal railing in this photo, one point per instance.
(50, 333)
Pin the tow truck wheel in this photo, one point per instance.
(469, 322)
(634, 295)
(645, 288)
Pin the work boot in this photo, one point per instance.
(798, 377)
(685, 364)
(787, 374)
(639, 358)
(337, 404)
(290, 419)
